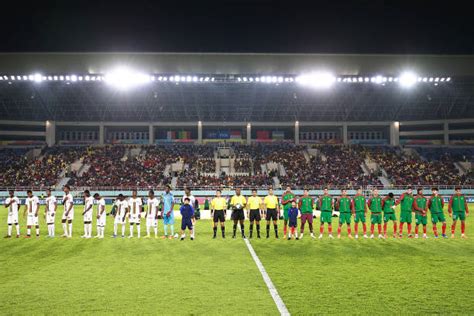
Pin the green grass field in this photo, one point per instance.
(205, 276)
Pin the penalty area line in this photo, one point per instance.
(271, 287)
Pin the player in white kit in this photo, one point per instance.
(50, 212)
(101, 215)
(31, 210)
(87, 214)
(120, 213)
(135, 208)
(12, 203)
(152, 214)
(68, 214)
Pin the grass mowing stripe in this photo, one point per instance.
(271, 287)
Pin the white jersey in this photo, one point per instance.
(192, 199)
(100, 206)
(68, 200)
(152, 207)
(15, 204)
(135, 206)
(32, 204)
(51, 203)
(121, 207)
(88, 203)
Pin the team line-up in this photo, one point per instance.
(382, 209)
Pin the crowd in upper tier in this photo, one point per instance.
(258, 165)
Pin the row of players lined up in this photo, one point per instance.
(382, 209)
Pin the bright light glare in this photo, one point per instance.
(124, 78)
(408, 79)
(317, 80)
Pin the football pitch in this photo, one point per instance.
(206, 276)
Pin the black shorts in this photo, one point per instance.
(271, 215)
(255, 215)
(238, 215)
(219, 216)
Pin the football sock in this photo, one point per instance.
(223, 231)
(372, 229)
(443, 228)
(9, 230)
(17, 229)
(172, 229)
(268, 230)
(123, 229)
(409, 228)
(339, 230)
(416, 229)
(28, 231)
(70, 229)
(463, 227)
(258, 230)
(138, 230)
(364, 226)
(321, 229)
(394, 228)
(285, 230)
(65, 228)
(215, 231)
(424, 229)
(234, 229)
(131, 230)
(385, 228)
(156, 231)
(85, 230)
(251, 230)
(435, 230)
(148, 230)
(37, 231)
(165, 227)
(330, 229)
(115, 229)
(242, 229)
(379, 228)
(349, 229)
(356, 228)
(310, 228)
(453, 228)
(275, 227)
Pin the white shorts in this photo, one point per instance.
(119, 219)
(50, 218)
(101, 221)
(12, 218)
(88, 217)
(151, 221)
(31, 220)
(134, 219)
(70, 216)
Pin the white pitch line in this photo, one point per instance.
(273, 291)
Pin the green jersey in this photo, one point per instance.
(436, 204)
(406, 202)
(287, 197)
(306, 203)
(458, 203)
(375, 204)
(344, 204)
(421, 202)
(359, 203)
(387, 205)
(325, 202)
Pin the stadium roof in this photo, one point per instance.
(237, 63)
(228, 99)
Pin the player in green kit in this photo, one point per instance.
(458, 210)
(388, 206)
(436, 205)
(406, 209)
(359, 209)
(326, 204)
(375, 206)
(306, 208)
(420, 205)
(286, 199)
(345, 214)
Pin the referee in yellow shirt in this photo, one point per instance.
(218, 211)
(272, 211)
(238, 202)
(254, 207)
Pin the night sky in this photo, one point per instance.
(395, 27)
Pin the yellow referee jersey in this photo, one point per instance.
(240, 199)
(254, 202)
(218, 204)
(270, 201)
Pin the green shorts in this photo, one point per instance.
(420, 219)
(437, 217)
(389, 217)
(345, 218)
(459, 215)
(376, 218)
(406, 217)
(359, 217)
(285, 215)
(326, 217)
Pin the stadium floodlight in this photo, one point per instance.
(280, 79)
(425, 79)
(239, 79)
(431, 79)
(37, 78)
(79, 78)
(73, 78)
(442, 79)
(318, 80)
(436, 79)
(251, 79)
(448, 79)
(188, 79)
(124, 78)
(408, 79)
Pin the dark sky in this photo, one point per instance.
(240, 26)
